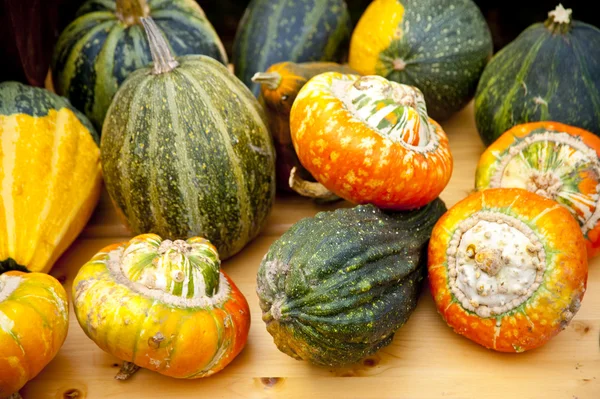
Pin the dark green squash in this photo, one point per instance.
(551, 72)
(335, 288)
(186, 151)
(273, 31)
(106, 42)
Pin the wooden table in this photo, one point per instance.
(425, 360)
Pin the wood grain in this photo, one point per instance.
(425, 360)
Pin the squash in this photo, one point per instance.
(273, 31)
(439, 46)
(34, 319)
(507, 268)
(280, 85)
(370, 140)
(50, 175)
(186, 151)
(557, 161)
(550, 72)
(106, 42)
(162, 305)
(334, 288)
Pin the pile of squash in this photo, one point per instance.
(191, 155)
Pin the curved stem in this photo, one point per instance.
(127, 370)
(270, 79)
(310, 189)
(161, 54)
(131, 11)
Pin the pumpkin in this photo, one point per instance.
(106, 42)
(507, 268)
(50, 173)
(273, 31)
(550, 72)
(334, 288)
(280, 85)
(557, 161)
(370, 140)
(186, 151)
(162, 305)
(34, 319)
(439, 46)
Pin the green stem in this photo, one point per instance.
(161, 54)
(270, 79)
(131, 11)
(559, 20)
(10, 264)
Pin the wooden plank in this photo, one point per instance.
(425, 360)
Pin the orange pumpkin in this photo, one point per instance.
(34, 319)
(507, 268)
(162, 305)
(558, 161)
(369, 140)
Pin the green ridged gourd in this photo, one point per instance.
(273, 31)
(106, 42)
(335, 288)
(550, 72)
(186, 151)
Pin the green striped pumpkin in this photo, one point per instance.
(273, 31)
(550, 72)
(106, 42)
(186, 151)
(335, 288)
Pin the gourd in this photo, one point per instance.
(507, 268)
(34, 319)
(186, 151)
(106, 42)
(557, 161)
(51, 176)
(439, 46)
(280, 85)
(335, 288)
(369, 140)
(550, 72)
(162, 305)
(273, 31)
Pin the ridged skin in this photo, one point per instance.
(335, 288)
(188, 153)
(97, 51)
(273, 31)
(34, 320)
(444, 44)
(579, 178)
(50, 176)
(544, 314)
(196, 341)
(542, 76)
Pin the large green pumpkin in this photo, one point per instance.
(551, 72)
(439, 46)
(273, 31)
(106, 42)
(186, 151)
(335, 288)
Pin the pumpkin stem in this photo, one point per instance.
(127, 370)
(270, 79)
(131, 11)
(10, 264)
(161, 54)
(15, 395)
(310, 189)
(559, 20)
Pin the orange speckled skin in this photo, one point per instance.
(34, 320)
(545, 313)
(489, 162)
(357, 163)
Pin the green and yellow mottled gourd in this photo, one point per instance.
(186, 151)
(106, 42)
(335, 288)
